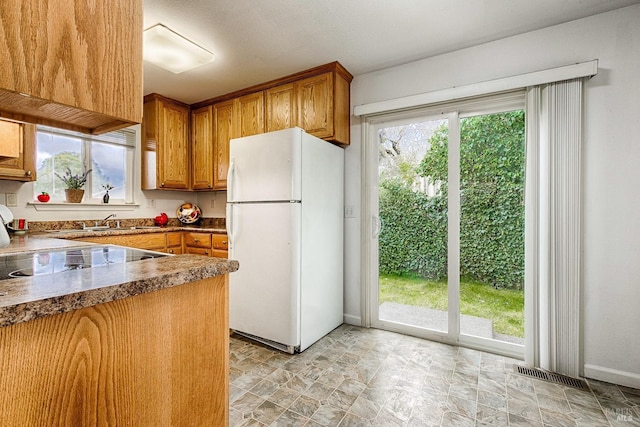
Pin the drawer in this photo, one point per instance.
(220, 241)
(197, 251)
(198, 240)
(219, 253)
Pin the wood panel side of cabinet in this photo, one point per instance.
(223, 114)
(101, 365)
(202, 151)
(150, 146)
(280, 108)
(80, 63)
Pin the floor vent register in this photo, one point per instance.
(551, 377)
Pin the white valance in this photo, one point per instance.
(567, 72)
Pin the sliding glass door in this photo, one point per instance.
(449, 229)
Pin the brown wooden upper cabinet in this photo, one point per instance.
(23, 138)
(165, 144)
(317, 100)
(72, 64)
(235, 118)
(318, 104)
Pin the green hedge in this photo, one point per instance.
(414, 237)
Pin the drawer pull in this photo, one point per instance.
(224, 242)
(170, 251)
(196, 240)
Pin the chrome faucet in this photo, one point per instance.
(113, 215)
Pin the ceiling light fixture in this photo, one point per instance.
(169, 50)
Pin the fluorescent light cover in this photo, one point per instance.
(171, 51)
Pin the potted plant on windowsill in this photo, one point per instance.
(74, 183)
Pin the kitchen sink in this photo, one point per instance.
(83, 230)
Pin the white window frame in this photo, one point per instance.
(124, 138)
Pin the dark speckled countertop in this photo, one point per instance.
(28, 298)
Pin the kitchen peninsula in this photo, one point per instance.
(131, 343)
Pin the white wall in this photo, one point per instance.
(165, 201)
(611, 150)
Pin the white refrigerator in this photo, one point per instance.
(285, 198)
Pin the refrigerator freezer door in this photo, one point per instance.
(264, 294)
(265, 167)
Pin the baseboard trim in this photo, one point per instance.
(352, 320)
(614, 376)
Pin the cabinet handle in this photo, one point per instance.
(196, 240)
(224, 242)
(28, 173)
(162, 184)
(206, 252)
(170, 251)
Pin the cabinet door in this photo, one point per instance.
(173, 146)
(281, 108)
(249, 115)
(174, 243)
(21, 168)
(315, 105)
(10, 139)
(223, 132)
(220, 246)
(202, 148)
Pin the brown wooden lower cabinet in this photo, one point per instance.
(150, 241)
(155, 359)
(209, 244)
(176, 242)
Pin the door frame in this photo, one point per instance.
(370, 228)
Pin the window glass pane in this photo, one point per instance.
(54, 154)
(109, 163)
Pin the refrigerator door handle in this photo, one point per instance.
(229, 224)
(232, 165)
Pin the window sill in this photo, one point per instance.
(63, 206)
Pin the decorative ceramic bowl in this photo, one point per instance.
(188, 213)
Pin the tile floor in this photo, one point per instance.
(368, 377)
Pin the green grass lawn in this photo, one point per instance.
(504, 306)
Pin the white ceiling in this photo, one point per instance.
(260, 40)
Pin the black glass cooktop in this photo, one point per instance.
(59, 260)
